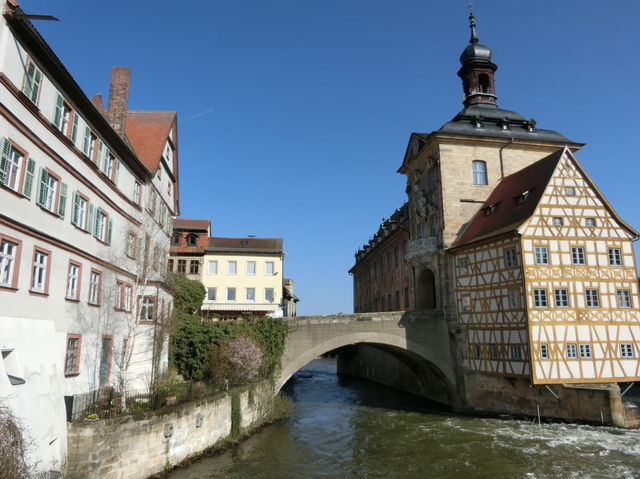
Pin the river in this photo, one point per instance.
(349, 428)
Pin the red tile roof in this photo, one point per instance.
(185, 224)
(508, 214)
(147, 131)
(254, 245)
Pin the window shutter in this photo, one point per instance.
(109, 229)
(42, 188)
(117, 170)
(91, 219)
(36, 83)
(138, 243)
(96, 221)
(100, 152)
(62, 200)
(57, 113)
(28, 177)
(74, 128)
(4, 159)
(86, 140)
(74, 208)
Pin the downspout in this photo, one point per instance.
(501, 162)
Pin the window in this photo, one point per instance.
(127, 296)
(95, 280)
(396, 255)
(388, 261)
(136, 192)
(514, 299)
(510, 258)
(62, 114)
(419, 231)
(194, 266)
(540, 298)
(79, 207)
(522, 197)
(251, 295)
(232, 267)
(463, 267)
(39, 275)
(72, 356)
(479, 172)
(544, 351)
(585, 350)
(593, 300)
(130, 244)
(192, 239)
(571, 351)
(406, 297)
(105, 360)
(562, 298)
(170, 265)
(397, 303)
(9, 257)
(11, 163)
(102, 226)
(182, 266)
(626, 350)
(405, 248)
(615, 258)
(624, 298)
(251, 268)
(231, 294)
(577, 255)
(493, 351)
(73, 281)
(591, 222)
(268, 268)
(33, 77)
(476, 351)
(557, 221)
(570, 191)
(268, 295)
(211, 294)
(466, 303)
(516, 353)
(147, 309)
(542, 255)
(213, 267)
(47, 190)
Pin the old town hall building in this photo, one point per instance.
(514, 243)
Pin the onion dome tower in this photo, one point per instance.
(477, 71)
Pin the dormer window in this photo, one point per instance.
(175, 239)
(477, 122)
(531, 126)
(523, 197)
(192, 239)
(488, 211)
(504, 124)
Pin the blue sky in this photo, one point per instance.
(294, 115)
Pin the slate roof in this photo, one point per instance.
(185, 224)
(492, 119)
(246, 245)
(147, 131)
(508, 215)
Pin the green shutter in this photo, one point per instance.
(91, 218)
(109, 229)
(74, 128)
(100, 153)
(57, 112)
(117, 170)
(62, 200)
(28, 83)
(75, 206)
(5, 153)
(96, 222)
(86, 140)
(28, 177)
(36, 84)
(42, 187)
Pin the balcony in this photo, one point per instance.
(420, 251)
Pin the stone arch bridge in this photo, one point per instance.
(417, 344)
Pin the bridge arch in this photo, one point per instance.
(420, 341)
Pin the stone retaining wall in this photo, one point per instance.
(137, 446)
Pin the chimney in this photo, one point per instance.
(119, 98)
(97, 102)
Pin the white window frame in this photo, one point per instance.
(561, 296)
(231, 295)
(626, 350)
(463, 267)
(541, 254)
(577, 256)
(32, 81)
(12, 162)
(572, 351)
(544, 351)
(615, 257)
(510, 257)
(590, 222)
(8, 252)
(71, 359)
(251, 295)
(465, 303)
(557, 221)
(147, 309)
(72, 281)
(251, 268)
(269, 265)
(212, 294)
(585, 351)
(232, 267)
(592, 298)
(480, 176)
(94, 288)
(623, 298)
(39, 271)
(540, 299)
(212, 268)
(269, 292)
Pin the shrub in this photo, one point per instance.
(239, 361)
(13, 464)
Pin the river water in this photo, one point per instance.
(350, 428)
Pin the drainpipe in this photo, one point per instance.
(501, 162)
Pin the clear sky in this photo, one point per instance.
(294, 115)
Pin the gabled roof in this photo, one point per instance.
(507, 214)
(246, 245)
(147, 131)
(196, 225)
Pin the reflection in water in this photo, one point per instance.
(349, 428)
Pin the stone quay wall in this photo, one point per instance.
(140, 445)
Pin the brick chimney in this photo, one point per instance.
(119, 98)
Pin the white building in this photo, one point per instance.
(87, 200)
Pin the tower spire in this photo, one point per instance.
(472, 25)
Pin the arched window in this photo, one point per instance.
(483, 83)
(479, 172)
